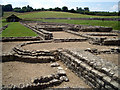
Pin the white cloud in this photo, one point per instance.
(114, 8)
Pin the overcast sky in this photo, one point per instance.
(94, 5)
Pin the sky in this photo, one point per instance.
(94, 5)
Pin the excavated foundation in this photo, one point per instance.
(63, 56)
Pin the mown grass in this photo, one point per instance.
(7, 14)
(114, 24)
(53, 14)
(4, 22)
(15, 29)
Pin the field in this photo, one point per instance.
(15, 29)
(113, 24)
(48, 14)
(35, 16)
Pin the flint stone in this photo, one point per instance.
(64, 78)
(60, 68)
(62, 72)
(55, 64)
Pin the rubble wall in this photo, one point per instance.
(96, 74)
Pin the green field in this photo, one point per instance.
(114, 24)
(34, 16)
(15, 29)
(53, 14)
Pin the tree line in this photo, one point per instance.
(80, 10)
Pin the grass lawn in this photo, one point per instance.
(114, 24)
(15, 29)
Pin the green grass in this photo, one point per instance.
(53, 14)
(4, 22)
(7, 14)
(15, 29)
(114, 24)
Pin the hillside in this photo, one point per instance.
(53, 14)
(35, 16)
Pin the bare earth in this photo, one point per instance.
(20, 72)
(64, 35)
(7, 46)
(70, 45)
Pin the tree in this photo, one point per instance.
(57, 9)
(50, 9)
(42, 9)
(29, 8)
(7, 7)
(79, 10)
(72, 11)
(17, 9)
(86, 9)
(64, 8)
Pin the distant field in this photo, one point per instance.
(15, 29)
(53, 14)
(7, 14)
(114, 24)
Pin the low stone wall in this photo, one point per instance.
(99, 40)
(42, 33)
(95, 29)
(111, 42)
(96, 72)
(103, 51)
(3, 28)
(7, 39)
(105, 41)
(106, 19)
(102, 34)
(26, 58)
(19, 54)
(69, 40)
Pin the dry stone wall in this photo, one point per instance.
(3, 28)
(7, 39)
(95, 71)
(45, 35)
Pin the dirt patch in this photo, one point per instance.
(64, 35)
(7, 46)
(20, 72)
(69, 45)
